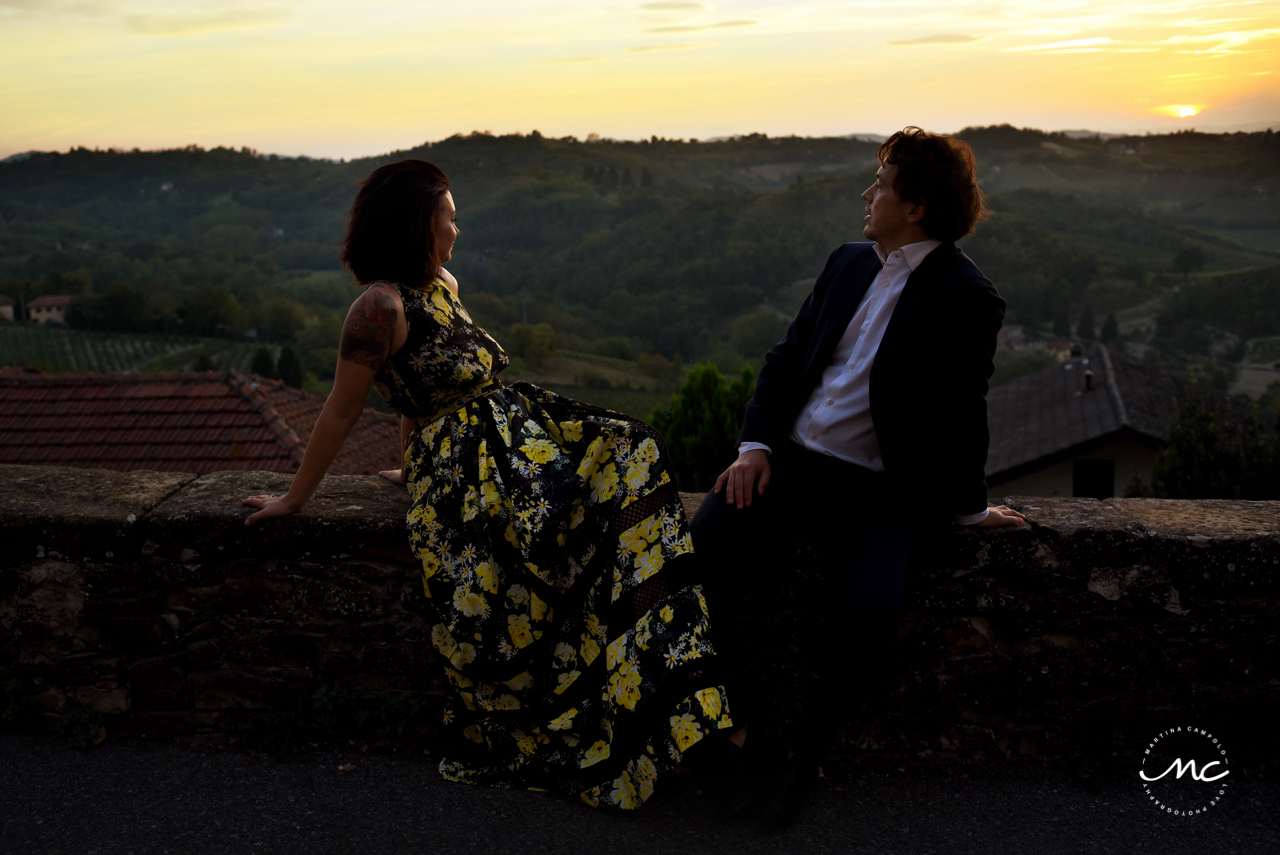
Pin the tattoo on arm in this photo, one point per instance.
(366, 334)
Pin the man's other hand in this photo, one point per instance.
(747, 476)
(1001, 515)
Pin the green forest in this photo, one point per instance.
(633, 258)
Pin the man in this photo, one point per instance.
(867, 433)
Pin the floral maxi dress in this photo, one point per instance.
(556, 563)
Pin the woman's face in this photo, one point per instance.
(446, 228)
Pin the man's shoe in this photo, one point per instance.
(788, 792)
(732, 777)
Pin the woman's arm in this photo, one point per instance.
(365, 345)
(396, 476)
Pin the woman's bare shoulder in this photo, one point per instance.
(449, 280)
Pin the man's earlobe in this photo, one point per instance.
(916, 213)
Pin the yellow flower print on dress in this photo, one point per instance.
(442, 304)
(489, 497)
(624, 792)
(624, 685)
(430, 562)
(527, 744)
(518, 629)
(710, 701)
(636, 477)
(648, 563)
(441, 640)
(685, 730)
(564, 681)
(464, 655)
(576, 518)
(537, 608)
(648, 451)
(604, 484)
(564, 721)
(539, 450)
(469, 509)
(666, 614)
(566, 653)
(486, 359)
(596, 753)
(614, 652)
(472, 732)
(571, 431)
(633, 540)
(644, 634)
(520, 681)
(518, 594)
(595, 455)
(488, 575)
(590, 649)
(646, 774)
(507, 702)
(469, 602)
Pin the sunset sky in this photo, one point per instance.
(331, 78)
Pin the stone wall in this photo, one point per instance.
(143, 596)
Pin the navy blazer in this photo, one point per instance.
(928, 380)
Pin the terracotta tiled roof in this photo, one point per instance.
(1048, 416)
(49, 302)
(194, 422)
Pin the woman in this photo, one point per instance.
(555, 554)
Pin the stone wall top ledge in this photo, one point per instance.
(348, 513)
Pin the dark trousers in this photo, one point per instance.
(863, 540)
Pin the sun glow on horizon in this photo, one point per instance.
(333, 78)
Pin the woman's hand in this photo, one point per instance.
(271, 506)
(395, 476)
(1001, 515)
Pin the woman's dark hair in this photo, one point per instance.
(391, 228)
(940, 173)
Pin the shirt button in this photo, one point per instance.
(829, 403)
(815, 436)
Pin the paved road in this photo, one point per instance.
(143, 796)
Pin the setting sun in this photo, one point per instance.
(1182, 111)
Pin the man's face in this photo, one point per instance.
(889, 219)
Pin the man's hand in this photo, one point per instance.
(1001, 515)
(748, 475)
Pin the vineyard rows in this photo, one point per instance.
(58, 351)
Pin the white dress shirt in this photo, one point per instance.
(836, 420)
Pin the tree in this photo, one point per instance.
(1189, 259)
(210, 310)
(1084, 329)
(282, 320)
(120, 308)
(1210, 456)
(533, 342)
(1110, 329)
(701, 424)
(1062, 326)
(289, 368)
(263, 365)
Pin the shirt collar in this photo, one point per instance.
(914, 253)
